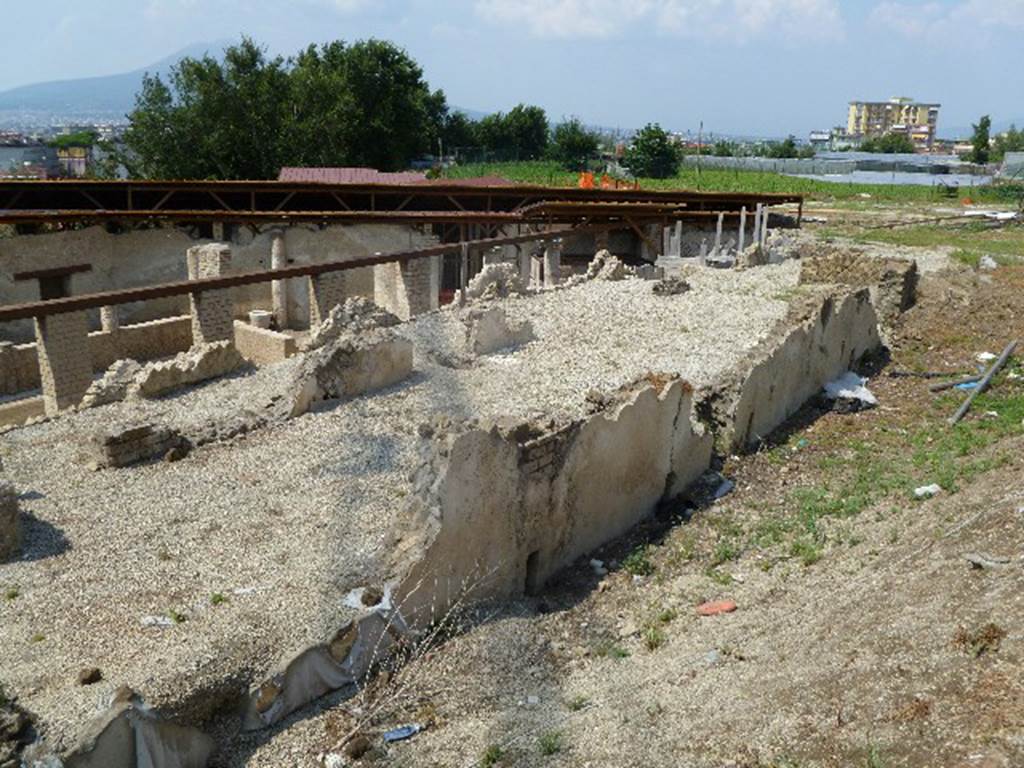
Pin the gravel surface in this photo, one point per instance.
(122, 566)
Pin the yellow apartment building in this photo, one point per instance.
(868, 119)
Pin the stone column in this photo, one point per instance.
(279, 288)
(407, 288)
(718, 233)
(326, 291)
(525, 265)
(743, 229)
(8, 384)
(65, 368)
(536, 271)
(677, 246)
(10, 522)
(757, 224)
(212, 311)
(109, 320)
(494, 255)
(553, 264)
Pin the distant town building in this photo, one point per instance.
(820, 140)
(868, 119)
(74, 161)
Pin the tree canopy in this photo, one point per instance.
(246, 116)
(652, 153)
(889, 144)
(980, 140)
(1011, 141)
(572, 145)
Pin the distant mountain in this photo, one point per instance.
(110, 94)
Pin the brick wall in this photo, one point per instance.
(10, 522)
(212, 311)
(407, 288)
(325, 293)
(65, 368)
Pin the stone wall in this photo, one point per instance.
(157, 255)
(122, 446)
(892, 282)
(19, 363)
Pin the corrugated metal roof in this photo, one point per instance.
(349, 176)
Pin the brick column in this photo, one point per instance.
(212, 311)
(10, 522)
(407, 288)
(326, 291)
(553, 264)
(8, 385)
(62, 343)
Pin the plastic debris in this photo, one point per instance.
(967, 385)
(849, 390)
(986, 357)
(987, 263)
(403, 733)
(725, 488)
(598, 567)
(157, 621)
(716, 607)
(927, 491)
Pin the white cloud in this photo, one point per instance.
(938, 21)
(738, 20)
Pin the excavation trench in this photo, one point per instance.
(497, 507)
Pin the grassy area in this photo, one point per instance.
(717, 180)
(972, 240)
(860, 473)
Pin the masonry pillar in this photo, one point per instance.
(65, 369)
(109, 320)
(8, 384)
(743, 230)
(536, 271)
(279, 288)
(409, 287)
(212, 311)
(553, 264)
(326, 291)
(10, 522)
(525, 265)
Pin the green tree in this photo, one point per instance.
(1011, 141)
(725, 148)
(572, 145)
(980, 140)
(522, 134)
(652, 153)
(458, 132)
(889, 144)
(360, 104)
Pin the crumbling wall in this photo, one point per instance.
(10, 522)
(497, 510)
(823, 336)
(350, 365)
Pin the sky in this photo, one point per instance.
(743, 67)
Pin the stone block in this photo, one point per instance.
(350, 365)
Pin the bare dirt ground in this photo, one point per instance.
(863, 635)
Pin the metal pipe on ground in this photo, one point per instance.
(984, 383)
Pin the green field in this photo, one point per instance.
(550, 173)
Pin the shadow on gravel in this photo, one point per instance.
(42, 539)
